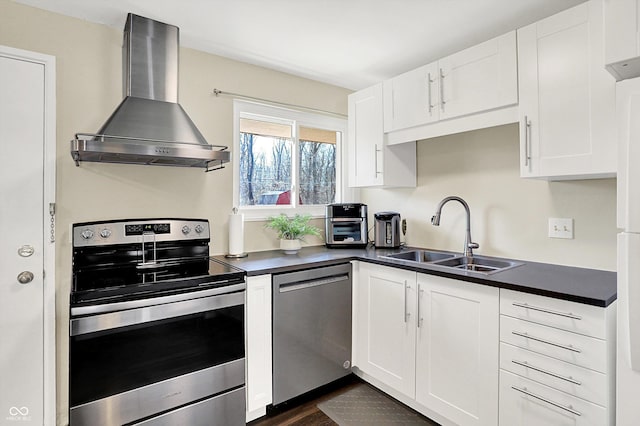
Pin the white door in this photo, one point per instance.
(26, 306)
(385, 330)
(457, 350)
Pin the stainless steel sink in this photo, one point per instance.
(478, 264)
(421, 256)
(481, 264)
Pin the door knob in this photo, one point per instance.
(25, 277)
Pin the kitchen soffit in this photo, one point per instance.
(351, 44)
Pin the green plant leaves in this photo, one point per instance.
(294, 228)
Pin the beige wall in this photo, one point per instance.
(88, 90)
(508, 214)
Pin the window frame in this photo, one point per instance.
(257, 111)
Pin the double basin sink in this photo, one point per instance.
(481, 264)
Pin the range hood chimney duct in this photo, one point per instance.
(149, 126)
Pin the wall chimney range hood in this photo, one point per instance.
(149, 126)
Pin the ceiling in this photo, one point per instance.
(347, 43)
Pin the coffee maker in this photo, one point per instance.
(387, 229)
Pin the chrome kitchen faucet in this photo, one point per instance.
(435, 220)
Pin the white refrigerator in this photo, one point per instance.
(628, 336)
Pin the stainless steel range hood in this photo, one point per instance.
(149, 126)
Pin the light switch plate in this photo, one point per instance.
(560, 227)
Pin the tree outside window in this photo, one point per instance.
(285, 164)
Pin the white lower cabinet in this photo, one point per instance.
(434, 340)
(258, 345)
(385, 332)
(457, 349)
(557, 362)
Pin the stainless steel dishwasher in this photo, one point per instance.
(311, 329)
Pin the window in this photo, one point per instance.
(286, 160)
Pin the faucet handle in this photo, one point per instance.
(473, 245)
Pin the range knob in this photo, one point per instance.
(87, 234)
(199, 229)
(105, 233)
(186, 229)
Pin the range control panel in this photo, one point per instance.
(138, 230)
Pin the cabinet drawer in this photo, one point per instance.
(581, 382)
(525, 402)
(575, 348)
(576, 317)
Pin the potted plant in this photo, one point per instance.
(292, 230)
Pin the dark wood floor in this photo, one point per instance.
(304, 411)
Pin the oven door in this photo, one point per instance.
(173, 360)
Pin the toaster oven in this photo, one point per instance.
(346, 225)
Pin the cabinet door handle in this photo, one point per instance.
(547, 311)
(538, 339)
(375, 161)
(548, 401)
(420, 291)
(541, 370)
(429, 81)
(406, 312)
(527, 143)
(442, 101)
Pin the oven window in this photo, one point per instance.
(118, 360)
(347, 231)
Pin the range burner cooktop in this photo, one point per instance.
(139, 258)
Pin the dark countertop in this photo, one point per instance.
(589, 286)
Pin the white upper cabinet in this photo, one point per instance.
(567, 99)
(622, 39)
(365, 136)
(420, 103)
(371, 161)
(412, 98)
(480, 78)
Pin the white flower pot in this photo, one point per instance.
(290, 246)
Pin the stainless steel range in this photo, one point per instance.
(156, 326)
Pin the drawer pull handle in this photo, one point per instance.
(541, 370)
(537, 339)
(547, 311)
(555, 404)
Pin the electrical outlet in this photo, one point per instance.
(560, 227)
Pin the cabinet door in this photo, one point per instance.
(411, 99)
(365, 137)
(258, 336)
(567, 99)
(457, 350)
(386, 331)
(480, 78)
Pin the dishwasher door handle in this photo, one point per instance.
(300, 285)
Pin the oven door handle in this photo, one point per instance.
(112, 320)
